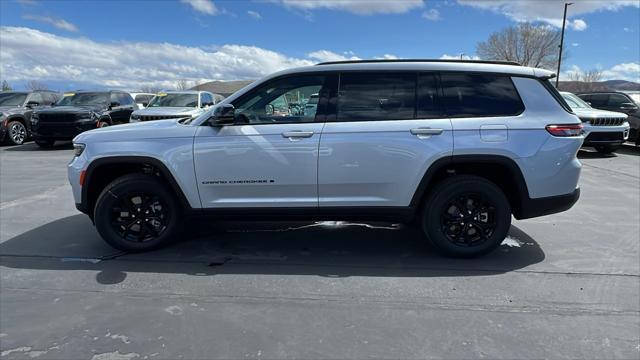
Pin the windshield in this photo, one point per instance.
(174, 100)
(575, 102)
(85, 99)
(12, 99)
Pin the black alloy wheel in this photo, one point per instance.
(140, 217)
(468, 220)
(17, 132)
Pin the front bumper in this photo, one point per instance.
(61, 131)
(605, 135)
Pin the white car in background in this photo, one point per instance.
(176, 105)
(142, 99)
(605, 130)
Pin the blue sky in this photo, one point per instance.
(130, 44)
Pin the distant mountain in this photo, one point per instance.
(225, 88)
(609, 85)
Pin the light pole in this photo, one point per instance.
(564, 20)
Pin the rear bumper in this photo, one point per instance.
(547, 205)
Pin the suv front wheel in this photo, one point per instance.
(466, 216)
(136, 213)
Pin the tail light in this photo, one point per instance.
(565, 130)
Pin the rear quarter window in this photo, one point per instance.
(479, 95)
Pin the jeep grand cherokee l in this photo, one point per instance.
(618, 102)
(78, 112)
(456, 146)
(604, 130)
(176, 105)
(16, 108)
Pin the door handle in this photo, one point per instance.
(297, 134)
(426, 131)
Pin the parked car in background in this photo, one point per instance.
(176, 105)
(455, 146)
(620, 102)
(16, 108)
(78, 112)
(142, 99)
(604, 130)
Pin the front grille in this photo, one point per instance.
(604, 136)
(161, 117)
(55, 117)
(605, 121)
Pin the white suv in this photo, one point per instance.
(456, 146)
(176, 105)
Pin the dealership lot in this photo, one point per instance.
(561, 286)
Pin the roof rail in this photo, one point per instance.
(495, 62)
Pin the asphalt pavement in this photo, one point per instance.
(561, 286)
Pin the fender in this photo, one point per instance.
(85, 207)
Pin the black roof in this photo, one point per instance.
(419, 60)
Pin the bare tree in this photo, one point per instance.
(525, 43)
(35, 85)
(182, 84)
(6, 86)
(584, 81)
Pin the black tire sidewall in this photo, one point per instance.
(457, 186)
(128, 184)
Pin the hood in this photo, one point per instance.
(11, 109)
(72, 109)
(155, 111)
(598, 114)
(161, 129)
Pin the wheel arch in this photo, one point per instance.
(498, 169)
(103, 171)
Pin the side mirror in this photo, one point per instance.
(114, 104)
(223, 115)
(269, 109)
(32, 104)
(628, 106)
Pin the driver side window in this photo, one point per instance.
(284, 100)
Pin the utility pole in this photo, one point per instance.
(564, 20)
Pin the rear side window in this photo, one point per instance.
(480, 95)
(376, 96)
(599, 100)
(143, 98)
(428, 98)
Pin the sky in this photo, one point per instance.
(146, 43)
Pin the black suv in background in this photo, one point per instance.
(81, 111)
(620, 102)
(16, 108)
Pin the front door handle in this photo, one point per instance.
(426, 132)
(297, 134)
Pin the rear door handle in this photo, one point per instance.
(426, 132)
(297, 134)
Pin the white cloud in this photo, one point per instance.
(575, 44)
(359, 7)
(59, 23)
(204, 6)
(254, 14)
(431, 14)
(29, 54)
(326, 55)
(459, 57)
(388, 57)
(624, 71)
(549, 11)
(626, 29)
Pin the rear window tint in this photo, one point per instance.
(376, 96)
(429, 106)
(480, 95)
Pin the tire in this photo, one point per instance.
(137, 213)
(45, 144)
(607, 149)
(102, 124)
(485, 206)
(16, 133)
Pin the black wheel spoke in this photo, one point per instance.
(140, 216)
(468, 220)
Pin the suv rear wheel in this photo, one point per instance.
(137, 212)
(466, 216)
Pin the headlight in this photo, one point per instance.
(78, 149)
